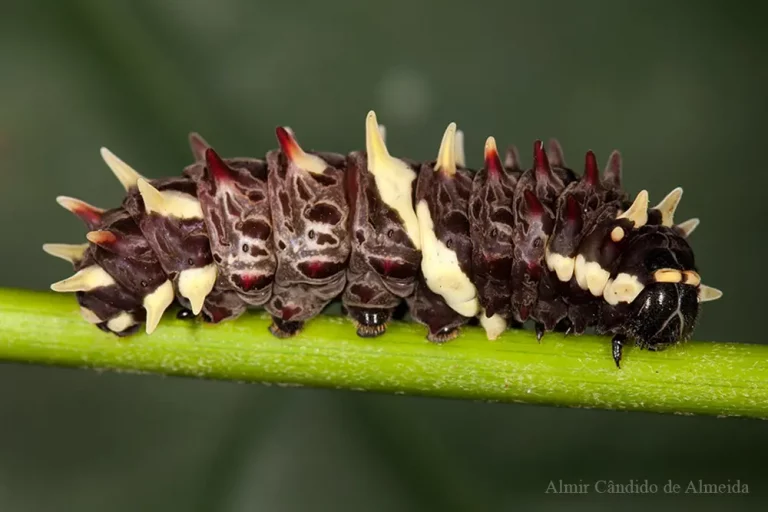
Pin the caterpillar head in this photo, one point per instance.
(663, 314)
(657, 288)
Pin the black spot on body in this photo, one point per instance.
(323, 239)
(301, 187)
(285, 203)
(257, 229)
(363, 292)
(258, 251)
(255, 196)
(323, 179)
(503, 216)
(456, 222)
(323, 212)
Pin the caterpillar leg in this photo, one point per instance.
(617, 347)
(285, 329)
(293, 304)
(369, 303)
(222, 304)
(443, 335)
(371, 322)
(550, 308)
(431, 310)
(580, 315)
(565, 326)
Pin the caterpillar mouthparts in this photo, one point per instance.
(297, 229)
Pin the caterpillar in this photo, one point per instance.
(295, 230)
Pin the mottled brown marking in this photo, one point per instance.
(323, 212)
(324, 179)
(323, 239)
(285, 203)
(256, 229)
(304, 194)
(258, 251)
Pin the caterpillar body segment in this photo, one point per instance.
(297, 229)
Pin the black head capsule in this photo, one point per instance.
(663, 314)
(654, 293)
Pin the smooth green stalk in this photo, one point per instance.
(725, 379)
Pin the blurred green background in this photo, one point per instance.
(678, 87)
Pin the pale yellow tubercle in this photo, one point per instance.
(563, 266)
(625, 288)
(707, 293)
(446, 155)
(156, 303)
(461, 156)
(591, 276)
(493, 325)
(67, 252)
(689, 226)
(126, 174)
(638, 212)
(86, 279)
(196, 283)
(308, 162)
(668, 205)
(394, 178)
(169, 203)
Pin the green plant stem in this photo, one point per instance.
(725, 379)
